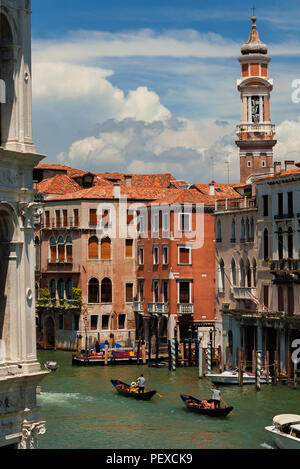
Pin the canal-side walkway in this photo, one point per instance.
(83, 411)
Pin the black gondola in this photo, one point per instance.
(123, 389)
(190, 400)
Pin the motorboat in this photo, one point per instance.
(232, 377)
(286, 431)
(51, 366)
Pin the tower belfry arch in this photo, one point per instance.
(20, 370)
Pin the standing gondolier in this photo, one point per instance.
(141, 383)
(216, 396)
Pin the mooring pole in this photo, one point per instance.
(258, 369)
(138, 350)
(170, 355)
(209, 367)
(200, 354)
(156, 345)
(174, 350)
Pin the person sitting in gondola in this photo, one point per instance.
(133, 387)
(141, 383)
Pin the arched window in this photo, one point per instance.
(221, 276)
(219, 231)
(266, 244)
(247, 230)
(93, 248)
(61, 249)
(290, 243)
(233, 272)
(93, 293)
(252, 229)
(106, 291)
(242, 274)
(105, 248)
(61, 288)
(69, 286)
(248, 274)
(52, 249)
(242, 233)
(254, 269)
(52, 288)
(280, 244)
(232, 237)
(69, 249)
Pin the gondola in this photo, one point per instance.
(123, 389)
(190, 401)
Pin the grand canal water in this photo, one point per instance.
(83, 411)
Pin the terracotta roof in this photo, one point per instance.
(58, 184)
(139, 180)
(184, 196)
(283, 173)
(222, 190)
(52, 166)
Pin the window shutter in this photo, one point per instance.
(105, 248)
(129, 292)
(53, 253)
(61, 252)
(129, 248)
(93, 216)
(184, 256)
(93, 248)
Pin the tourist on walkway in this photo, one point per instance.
(141, 383)
(216, 396)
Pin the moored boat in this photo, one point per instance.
(286, 431)
(51, 366)
(232, 377)
(204, 407)
(124, 390)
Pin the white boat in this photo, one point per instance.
(51, 366)
(232, 377)
(286, 431)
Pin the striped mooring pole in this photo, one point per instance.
(258, 370)
(174, 351)
(209, 357)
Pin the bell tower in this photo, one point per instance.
(255, 132)
(15, 76)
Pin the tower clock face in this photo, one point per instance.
(255, 109)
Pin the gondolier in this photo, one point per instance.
(216, 396)
(141, 383)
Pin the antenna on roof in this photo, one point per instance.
(228, 163)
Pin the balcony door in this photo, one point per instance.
(184, 292)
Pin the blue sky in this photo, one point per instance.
(151, 86)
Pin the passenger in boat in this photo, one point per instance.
(133, 387)
(216, 396)
(141, 383)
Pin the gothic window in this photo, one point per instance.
(243, 231)
(290, 243)
(61, 288)
(93, 291)
(219, 231)
(61, 249)
(106, 291)
(93, 251)
(233, 272)
(254, 269)
(252, 229)
(52, 249)
(106, 249)
(247, 230)
(69, 289)
(221, 276)
(242, 274)
(248, 274)
(69, 249)
(52, 288)
(232, 237)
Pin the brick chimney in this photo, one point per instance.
(289, 164)
(212, 188)
(277, 167)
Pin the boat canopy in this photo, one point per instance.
(284, 419)
(296, 427)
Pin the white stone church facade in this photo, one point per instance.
(20, 372)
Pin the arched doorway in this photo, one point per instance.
(49, 333)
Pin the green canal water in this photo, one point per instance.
(83, 411)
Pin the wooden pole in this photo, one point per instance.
(295, 375)
(267, 366)
(253, 361)
(156, 344)
(176, 352)
(79, 344)
(275, 381)
(196, 352)
(170, 355)
(190, 352)
(200, 359)
(138, 350)
(240, 366)
(144, 352)
(149, 344)
(106, 353)
(182, 353)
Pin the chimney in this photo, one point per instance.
(277, 167)
(128, 181)
(212, 188)
(289, 164)
(117, 192)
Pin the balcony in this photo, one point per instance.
(138, 306)
(62, 223)
(282, 216)
(58, 303)
(159, 308)
(255, 131)
(243, 293)
(285, 265)
(230, 205)
(185, 308)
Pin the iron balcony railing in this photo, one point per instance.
(287, 265)
(138, 306)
